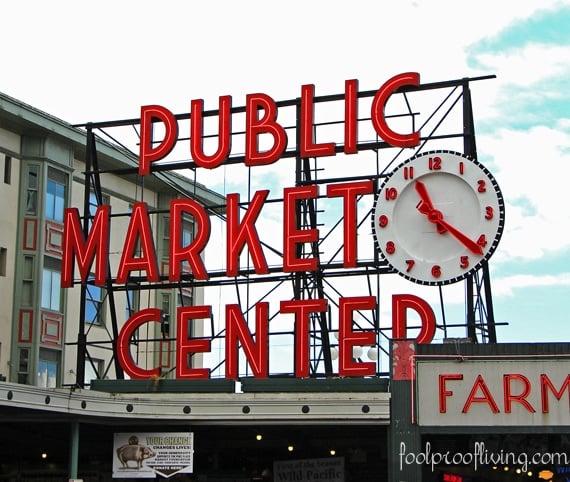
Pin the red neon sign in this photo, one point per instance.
(256, 348)
(256, 125)
(139, 254)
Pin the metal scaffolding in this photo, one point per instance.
(442, 111)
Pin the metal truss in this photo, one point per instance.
(441, 111)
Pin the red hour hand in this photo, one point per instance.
(425, 206)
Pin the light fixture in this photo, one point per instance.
(290, 448)
(372, 353)
(356, 352)
(506, 468)
(545, 474)
(44, 454)
(259, 436)
(333, 452)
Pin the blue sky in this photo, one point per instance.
(93, 64)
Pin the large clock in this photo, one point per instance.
(437, 217)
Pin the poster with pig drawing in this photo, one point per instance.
(146, 455)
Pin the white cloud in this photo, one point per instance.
(532, 168)
(507, 286)
(513, 67)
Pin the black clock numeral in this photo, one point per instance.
(391, 194)
(410, 263)
(481, 186)
(482, 241)
(436, 271)
(434, 163)
(390, 247)
(383, 221)
(464, 262)
(489, 213)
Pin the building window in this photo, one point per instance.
(93, 204)
(32, 192)
(93, 370)
(165, 317)
(94, 310)
(187, 236)
(187, 231)
(23, 366)
(7, 169)
(132, 303)
(55, 195)
(51, 285)
(28, 281)
(3, 255)
(48, 368)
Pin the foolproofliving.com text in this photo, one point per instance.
(480, 457)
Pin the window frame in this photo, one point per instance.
(56, 201)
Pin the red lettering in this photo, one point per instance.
(139, 234)
(308, 147)
(197, 134)
(191, 252)
(237, 331)
(400, 303)
(254, 127)
(349, 192)
(379, 105)
(124, 355)
(186, 346)
(486, 398)
(148, 153)
(351, 116)
(348, 339)
(240, 234)
(443, 392)
(293, 238)
(520, 398)
(74, 246)
(546, 384)
(302, 310)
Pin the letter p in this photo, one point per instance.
(147, 152)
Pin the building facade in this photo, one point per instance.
(43, 161)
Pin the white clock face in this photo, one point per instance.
(437, 217)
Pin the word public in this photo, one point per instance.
(267, 125)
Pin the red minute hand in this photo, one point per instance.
(462, 238)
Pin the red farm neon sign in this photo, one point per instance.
(139, 253)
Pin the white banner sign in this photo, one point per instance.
(497, 392)
(329, 469)
(144, 455)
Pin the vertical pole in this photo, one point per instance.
(74, 450)
(81, 337)
(487, 326)
(404, 438)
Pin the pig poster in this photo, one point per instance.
(146, 455)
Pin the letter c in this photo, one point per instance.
(379, 104)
